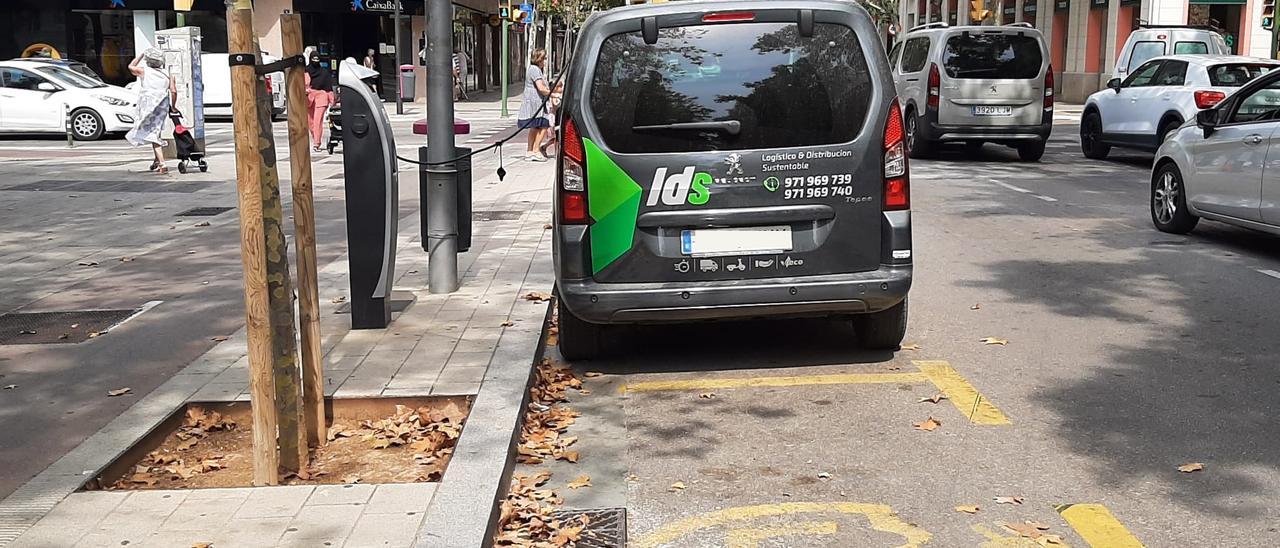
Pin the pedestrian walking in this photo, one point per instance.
(551, 139)
(156, 95)
(530, 116)
(319, 97)
(460, 62)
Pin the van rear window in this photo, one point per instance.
(730, 87)
(992, 56)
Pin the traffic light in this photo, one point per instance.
(504, 12)
(1268, 14)
(978, 14)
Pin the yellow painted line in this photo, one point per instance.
(881, 517)
(757, 382)
(751, 538)
(963, 395)
(1097, 526)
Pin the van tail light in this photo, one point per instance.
(270, 88)
(1209, 98)
(935, 85)
(729, 17)
(1048, 88)
(897, 190)
(573, 177)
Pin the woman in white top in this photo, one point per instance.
(535, 89)
(156, 95)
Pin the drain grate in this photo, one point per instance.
(483, 215)
(115, 185)
(204, 211)
(57, 327)
(606, 528)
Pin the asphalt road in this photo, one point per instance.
(1130, 353)
(61, 250)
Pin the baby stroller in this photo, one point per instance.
(185, 144)
(335, 126)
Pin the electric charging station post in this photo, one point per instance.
(441, 193)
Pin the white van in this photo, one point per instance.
(217, 86)
(1151, 41)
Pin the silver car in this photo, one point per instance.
(1222, 167)
(975, 84)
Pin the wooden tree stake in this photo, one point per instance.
(304, 228)
(252, 246)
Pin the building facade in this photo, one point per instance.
(1085, 36)
(107, 34)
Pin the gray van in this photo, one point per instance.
(975, 84)
(726, 160)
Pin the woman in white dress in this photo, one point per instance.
(156, 94)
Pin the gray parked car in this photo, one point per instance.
(728, 160)
(975, 84)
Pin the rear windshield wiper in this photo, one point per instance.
(730, 127)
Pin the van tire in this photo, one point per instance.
(882, 330)
(1031, 152)
(579, 340)
(1091, 137)
(916, 147)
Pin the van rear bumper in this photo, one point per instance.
(665, 302)
(934, 131)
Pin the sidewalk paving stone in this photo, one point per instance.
(348, 494)
(274, 502)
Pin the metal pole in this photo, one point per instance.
(504, 68)
(442, 173)
(66, 115)
(399, 76)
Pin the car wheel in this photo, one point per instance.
(1031, 152)
(579, 339)
(882, 330)
(1169, 201)
(1091, 137)
(1166, 129)
(86, 125)
(916, 147)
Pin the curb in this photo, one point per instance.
(465, 509)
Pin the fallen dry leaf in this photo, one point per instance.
(1191, 467)
(909, 346)
(97, 334)
(339, 299)
(10, 386)
(537, 296)
(219, 338)
(119, 392)
(201, 224)
(1008, 500)
(968, 509)
(546, 226)
(932, 399)
(553, 340)
(89, 263)
(1034, 531)
(707, 395)
(571, 456)
(928, 425)
(592, 374)
(580, 482)
(994, 341)
(202, 545)
(508, 323)
(351, 479)
(975, 306)
(126, 259)
(677, 486)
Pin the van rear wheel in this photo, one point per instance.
(579, 339)
(1031, 152)
(882, 330)
(917, 146)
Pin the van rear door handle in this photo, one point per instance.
(913, 79)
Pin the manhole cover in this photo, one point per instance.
(204, 211)
(496, 215)
(57, 327)
(606, 527)
(108, 186)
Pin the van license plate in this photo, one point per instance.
(985, 110)
(735, 241)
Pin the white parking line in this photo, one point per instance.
(1024, 191)
(1271, 273)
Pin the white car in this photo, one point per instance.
(1222, 167)
(217, 86)
(35, 96)
(1163, 93)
